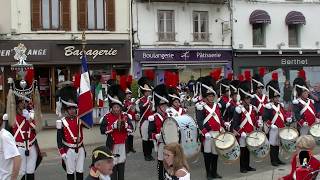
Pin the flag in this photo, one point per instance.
(99, 95)
(85, 103)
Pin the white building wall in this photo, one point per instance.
(277, 31)
(21, 22)
(146, 24)
(5, 17)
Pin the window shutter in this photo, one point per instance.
(35, 15)
(66, 25)
(110, 12)
(82, 15)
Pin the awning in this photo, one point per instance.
(259, 16)
(295, 17)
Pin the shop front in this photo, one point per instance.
(187, 62)
(58, 61)
(287, 63)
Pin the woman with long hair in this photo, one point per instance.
(175, 163)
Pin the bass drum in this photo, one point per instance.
(183, 130)
(257, 142)
(315, 132)
(227, 146)
(288, 137)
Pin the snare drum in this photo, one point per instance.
(315, 132)
(288, 137)
(182, 130)
(227, 146)
(257, 142)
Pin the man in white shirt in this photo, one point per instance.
(9, 156)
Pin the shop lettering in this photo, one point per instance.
(72, 51)
(294, 61)
(36, 52)
(157, 56)
(208, 55)
(5, 52)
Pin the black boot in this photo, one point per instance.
(207, 163)
(114, 175)
(273, 156)
(149, 150)
(130, 144)
(121, 168)
(30, 176)
(160, 170)
(243, 158)
(144, 149)
(70, 176)
(248, 167)
(277, 156)
(214, 166)
(79, 176)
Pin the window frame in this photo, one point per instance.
(165, 33)
(95, 16)
(50, 16)
(297, 35)
(263, 27)
(199, 33)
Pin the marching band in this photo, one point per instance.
(233, 120)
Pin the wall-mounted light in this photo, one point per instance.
(259, 52)
(318, 51)
(280, 51)
(300, 52)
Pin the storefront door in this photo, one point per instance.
(43, 76)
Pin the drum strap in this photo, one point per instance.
(66, 124)
(278, 113)
(306, 105)
(261, 102)
(159, 115)
(212, 113)
(248, 117)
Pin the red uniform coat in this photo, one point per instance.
(145, 107)
(308, 115)
(128, 106)
(155, 124)
(239, 117)
(213, 124)
(24, 130)
(257, 100)
(270, 112)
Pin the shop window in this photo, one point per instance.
(96, 15)
(50, 15)
(200, 26)
(258, 34)
(293, 35)
(166, 30)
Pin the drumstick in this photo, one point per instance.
(217, 139)
(252, 137)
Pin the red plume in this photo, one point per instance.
(216, 73)
(149, 73)
(123, 82)
(247, 75)
(170, 79)
(275, 76)
(113, 75)
(240, 77)
(230, 76)
(262, 71)
(129, 80)
(29, 76)
(302, 74)
(76, 80)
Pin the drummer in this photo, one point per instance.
(234, 100)
(303, 107)
(224, 89)
(275, 117)
(175, 108)
(209, 120)
(244, 122)
(259, 100)
(160, 96)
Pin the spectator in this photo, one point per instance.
(287, 97)
(191, 83)
(315, 95)
(102, 164)
(175, 163)
(10, 159)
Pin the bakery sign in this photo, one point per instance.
(73, 51)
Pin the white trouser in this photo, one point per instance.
(304, 130)
(160, 151)
(119, 149)
(28, 163)
(274, 137)
(74, 161)
(134, 124)
(144, 130)
(242, 141)
(209, 145)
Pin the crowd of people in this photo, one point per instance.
(230, 113)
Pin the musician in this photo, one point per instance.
(303, 106)
(259, 99)
(234, 85)
(129, 107)
(115, 126)
(70, 134)
(304, 165)
(275, 118)
(160, 97)
(224, 90)
(144, 106)
(244, 122)
(175, 108)
(208, 116)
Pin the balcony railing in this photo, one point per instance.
(167, 36)
(201, 37)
